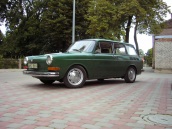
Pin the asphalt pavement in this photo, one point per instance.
(26, 103)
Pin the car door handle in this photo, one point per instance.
(115, 57)
(134, 58)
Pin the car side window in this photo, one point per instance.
(119, 49)
(131, 50)
(104, 47)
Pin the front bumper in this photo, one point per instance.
(41, 74)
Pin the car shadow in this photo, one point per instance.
(103, 83)
(88, 83)
(46, 86)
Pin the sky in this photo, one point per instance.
(144, 41)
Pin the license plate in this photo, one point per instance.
(32, 65)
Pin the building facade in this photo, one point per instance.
(163, 49)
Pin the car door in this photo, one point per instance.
(121, 59)
(104, 60)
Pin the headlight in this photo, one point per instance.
(25, 60)
(49, 59)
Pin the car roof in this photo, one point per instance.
(107, 40)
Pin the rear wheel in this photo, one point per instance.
(75, 77)
(47, 81)
(130, 75)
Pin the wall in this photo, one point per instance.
(163, 49)
(163, 54)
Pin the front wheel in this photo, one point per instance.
(47, 81)
(130, 75)
(75, 77)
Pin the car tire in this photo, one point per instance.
(47, 81)
(130, 75)
(75, 77)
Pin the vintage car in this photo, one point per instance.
(84, 60)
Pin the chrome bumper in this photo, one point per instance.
(41, 74)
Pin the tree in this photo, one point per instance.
(57, 24)
(81, 19)
(103, 18)
(146, 15)
(24, 34)
(3, 9)
(149, 56)
(1, 37)
(141, 52)
(149, 19)
(35, 26)
(42, 26)
(1, 42)
(111, 17)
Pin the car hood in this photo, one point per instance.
(56, 55)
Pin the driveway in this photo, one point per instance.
(26, 103)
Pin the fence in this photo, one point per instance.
(11, 63)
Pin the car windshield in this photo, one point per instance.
(82, 46)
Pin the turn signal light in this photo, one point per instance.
(25, 67)
(53, 68)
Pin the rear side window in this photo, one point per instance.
(131, 50)
(119, 49)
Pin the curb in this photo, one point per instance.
(10, 70)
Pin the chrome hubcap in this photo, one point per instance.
(131, 74)
(75, 76)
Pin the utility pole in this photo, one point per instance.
(73, 23)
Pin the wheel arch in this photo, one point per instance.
(133, 67)
(87, 75)
(130, 76)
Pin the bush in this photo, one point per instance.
(149, 56)
(9, 63)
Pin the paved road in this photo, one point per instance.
(25, 103)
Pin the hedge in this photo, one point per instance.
(11, 63)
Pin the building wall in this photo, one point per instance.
(163, 55)
(163, 49)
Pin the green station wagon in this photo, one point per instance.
(84, 60)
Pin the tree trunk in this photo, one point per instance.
(127, 30)
(135, 38)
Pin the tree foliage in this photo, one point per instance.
(24, 35)
(103, 23)
(3, 9)
(149, 57)
(116, 17)
(43, 26)
(141, 52)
